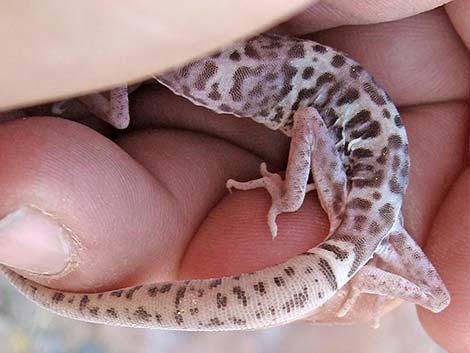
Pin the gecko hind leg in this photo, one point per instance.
(415, 266)
(310, 141)
(373, 280)
(405, 273)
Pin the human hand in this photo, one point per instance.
(168, 220)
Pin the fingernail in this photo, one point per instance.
(31, 240)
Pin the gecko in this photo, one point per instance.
(348, 136)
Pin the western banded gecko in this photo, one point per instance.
(345, 129)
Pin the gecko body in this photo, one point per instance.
(346, 132)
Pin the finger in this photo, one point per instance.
(429, 129)
(335, 13)
(167, 34)
(448, 248)
(417, 60)
(82, 189)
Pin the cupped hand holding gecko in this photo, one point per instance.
(155, 208)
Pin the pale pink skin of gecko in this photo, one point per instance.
(347, 132)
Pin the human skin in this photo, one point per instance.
(154, 207)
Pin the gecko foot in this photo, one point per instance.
(274, 184)
(373, 280)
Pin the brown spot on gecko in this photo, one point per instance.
(238, 321)
(359, 254)
(241, 295)
(117, 293)
(112, 312)
(289, 73)
(348, 97)
(338, 60)
(308, 72)
(180, 295)
(387, 213)
(339, 253)
(296, 51)
(298, 300)
(214, 94)
(279, 281)
(260, 288)
(359, 222)
(306, 93)
(319, 48)
(360, 204)
(215, 321)
(405, 170)
(355, 71)
(327, 271)
(382, 159)
(290, 272)
(94, 311)
(396, 163)
(376, 195)
(221, 301)
(164, 288)
(209, 70)
(83, 302)
(235, 56)
(374, 228)
(278, 116)
(398, 122)
(362, 153)
(325, 78)
(130, 292)
(395, 185)
(374, 95)
(386, 113)
(359, 119)
(395, 142)
(58, 297)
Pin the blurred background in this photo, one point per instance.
(26, 328)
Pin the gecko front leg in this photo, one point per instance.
(115, 110)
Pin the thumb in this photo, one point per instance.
(73, 202)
